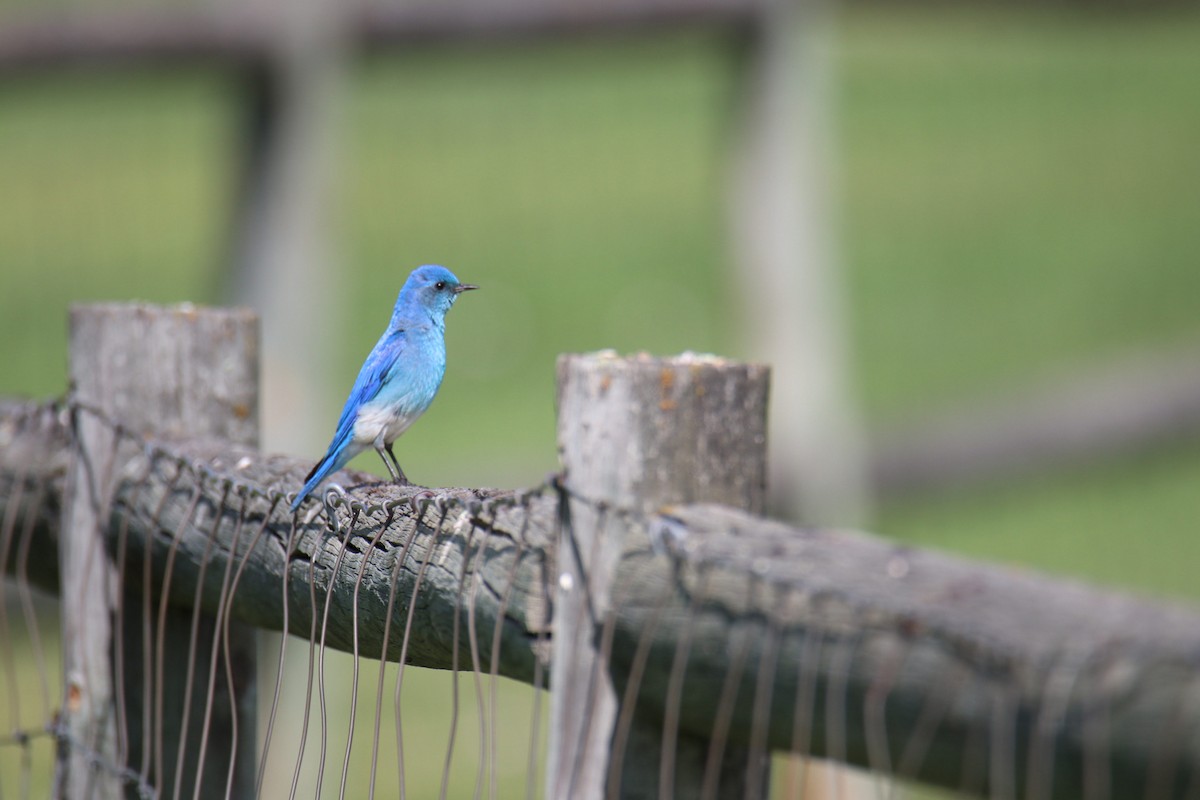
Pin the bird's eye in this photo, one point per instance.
(440, 285)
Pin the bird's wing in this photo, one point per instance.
(371, 378)
(412, 380)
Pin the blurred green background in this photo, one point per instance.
(1018, 193)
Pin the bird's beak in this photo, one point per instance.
(464, 287)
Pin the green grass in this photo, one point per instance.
(114, 188)
(1017, 195)
(1020, 198)
(1020, 194)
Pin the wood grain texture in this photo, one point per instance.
(167, 372)
(634, 434)
(903, 660)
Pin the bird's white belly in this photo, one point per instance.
(374, 423)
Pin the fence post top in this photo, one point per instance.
(642, 359)
(183, 309)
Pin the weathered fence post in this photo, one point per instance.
(634, 434)
(168, 372)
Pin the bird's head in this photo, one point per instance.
(432, 288)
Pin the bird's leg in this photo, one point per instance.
(383, 456)
(402, 479)
(386, 463)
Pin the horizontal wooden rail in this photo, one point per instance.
(914, 663)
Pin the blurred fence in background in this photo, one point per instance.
(289, 62)
(284, 63)
(682, 641)
(286, 74)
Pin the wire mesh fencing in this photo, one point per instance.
(724, 638)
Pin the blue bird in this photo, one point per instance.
(398, 380)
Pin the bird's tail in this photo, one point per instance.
(340, 452)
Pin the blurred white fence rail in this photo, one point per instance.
(718, 636)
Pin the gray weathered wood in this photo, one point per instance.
(635, 434)
(915, 658)
(89, 604)
(167, 372)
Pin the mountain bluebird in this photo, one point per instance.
(398, 380)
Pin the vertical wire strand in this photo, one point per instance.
(161, 631)
(1097, 741)
(591, 610)
(725, 704)
(760, 719)
(601, 667)
(121, 613)
(481, 709)
(1192, 790)
(539, 669)
(322, 699)
(1164, 763)
(118, 650)
(215, 650)
(808, 670)
(7, 535)
(9, 538)
(1002, 752)
(272, 715)
(975, 755)
(837, 699)
(362, 567)
(841, 658)
(189, 676)
(225, 622)
(397, 565)
(938, 702)
(455, 646)
(1051, 712)
(148, 650)
(24, 546)
(312, 643)
(103, 504)
(675, 682)
(879, 755)
(494, 659)
(629, 700)
(408, 623)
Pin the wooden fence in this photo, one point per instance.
(683, 638)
